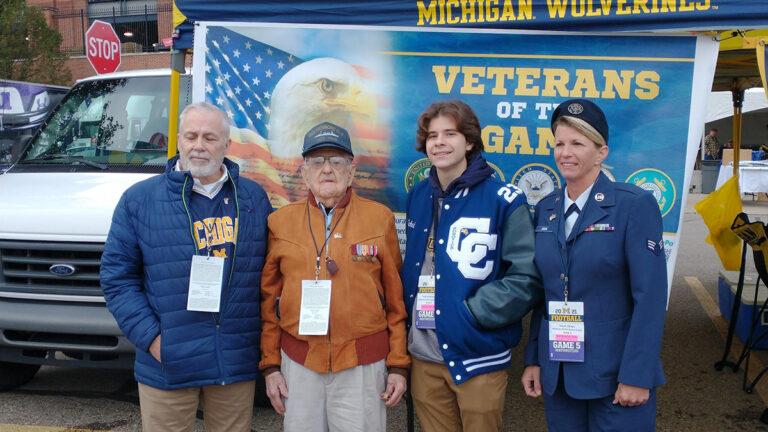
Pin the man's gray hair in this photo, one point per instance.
(205, 106)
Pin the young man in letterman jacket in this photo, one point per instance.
(468, 276)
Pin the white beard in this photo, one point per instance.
(210, 168)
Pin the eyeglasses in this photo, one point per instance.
(337, 162)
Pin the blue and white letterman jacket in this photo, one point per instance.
(485, 276)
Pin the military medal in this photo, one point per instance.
(600, 227)
(364, 253)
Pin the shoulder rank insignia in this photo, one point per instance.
(655, 247)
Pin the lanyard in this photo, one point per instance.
(431, 248)
(566, 263)
(208, 236)
(433, 229)
(225, 293)
(331, 264)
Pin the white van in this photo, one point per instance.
(56, 206)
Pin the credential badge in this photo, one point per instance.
(599, 197)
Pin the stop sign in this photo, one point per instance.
(102, 47)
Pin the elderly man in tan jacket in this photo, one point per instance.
(334, 341)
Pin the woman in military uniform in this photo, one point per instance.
(595, 343)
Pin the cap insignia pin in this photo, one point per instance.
(575, 108)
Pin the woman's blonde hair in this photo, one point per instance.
(582, 127)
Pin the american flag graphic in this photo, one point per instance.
(240, 76)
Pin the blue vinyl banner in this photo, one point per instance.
(275, 82)
(558, 15)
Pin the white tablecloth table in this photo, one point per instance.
(753, 176)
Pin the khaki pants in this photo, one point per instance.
(345, 401)
(227, 408)
(476, 405)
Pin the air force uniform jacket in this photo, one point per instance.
(617, 267)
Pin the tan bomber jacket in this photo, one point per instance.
(367, 314)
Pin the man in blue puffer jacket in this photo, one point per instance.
(181, 272)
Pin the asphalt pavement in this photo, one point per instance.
(696, 397)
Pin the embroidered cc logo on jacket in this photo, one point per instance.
(470, 248)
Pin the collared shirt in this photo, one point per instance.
(209, 190)
(328, 214)
(581, 201)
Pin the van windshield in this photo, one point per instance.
(108, 124)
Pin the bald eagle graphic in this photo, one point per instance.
(316, 91)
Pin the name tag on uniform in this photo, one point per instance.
(566, 331)
(315, 307)
(425, 303)
(205, 278)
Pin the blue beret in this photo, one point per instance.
(584, 110)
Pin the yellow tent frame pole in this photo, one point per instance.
(737, 92)
(173, 113)
(177, 67)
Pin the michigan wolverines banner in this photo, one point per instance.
(558, 15)
(276, 82)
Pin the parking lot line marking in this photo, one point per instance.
(711, 309)
(24, 428)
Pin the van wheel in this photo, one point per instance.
(13, 375)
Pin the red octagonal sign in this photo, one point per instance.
(102, 47)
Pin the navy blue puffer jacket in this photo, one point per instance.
(145, 278)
